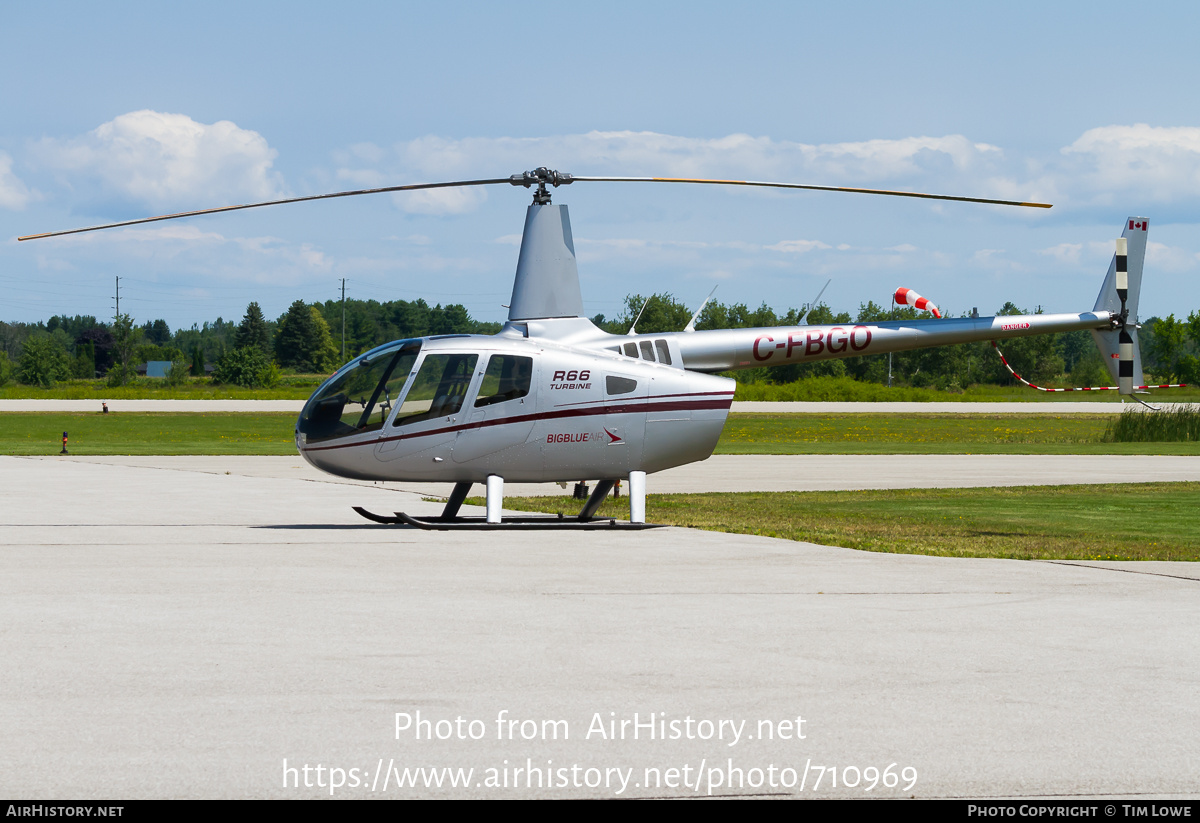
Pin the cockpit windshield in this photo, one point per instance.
(359, 398)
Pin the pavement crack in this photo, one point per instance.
(1077, 564)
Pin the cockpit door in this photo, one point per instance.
(432, 410)
(502, 411)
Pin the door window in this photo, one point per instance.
(507, 378)
(439, 388)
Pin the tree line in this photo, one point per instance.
(309, 339)
(254, 352)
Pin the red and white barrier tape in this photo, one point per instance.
(1084, 388)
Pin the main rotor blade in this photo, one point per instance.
(410, 187)
(541, 177)
(761, 184)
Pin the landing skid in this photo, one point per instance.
(515, 523)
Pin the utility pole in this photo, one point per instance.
(118, 306)
(343, 320)
(893, 313)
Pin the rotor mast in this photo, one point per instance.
(546, 284)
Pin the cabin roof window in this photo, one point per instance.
(664, 352)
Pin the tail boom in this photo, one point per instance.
(732, 349)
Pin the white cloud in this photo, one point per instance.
(183, 242)
(993, 259)
(1158, 163)
(654, 252)
(45, 263)
(1105, 166)
(361, 178)
(884, 159)
(650, 154)
(440, 201)
(162, 236)
(798, 246)
(1067, 253)
(1169, 258)
(167, 160)
(13, 193)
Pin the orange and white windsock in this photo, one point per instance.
(908, 297)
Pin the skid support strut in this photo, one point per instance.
(456, 500)
(495, 497)
(603, 487)
(637, 497)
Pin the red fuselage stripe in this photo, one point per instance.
(638, 407)
(663, 397)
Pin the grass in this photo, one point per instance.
(929, 434)
(1181, 424)
(271, 433)
(147, 433)
(300, 386)
(1146, 521)
(847, 389)
(291, 387)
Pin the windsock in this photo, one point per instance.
(908, 297)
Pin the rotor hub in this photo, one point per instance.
(541, 176)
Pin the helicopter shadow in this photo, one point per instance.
(330, 526)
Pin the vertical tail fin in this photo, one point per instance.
(1119, 295)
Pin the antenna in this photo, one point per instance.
(808, 311)
(691, 326)
(633, 328)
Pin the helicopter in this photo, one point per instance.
(553, 398)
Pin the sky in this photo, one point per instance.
(129, 110)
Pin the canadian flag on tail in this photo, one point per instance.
(908, 297)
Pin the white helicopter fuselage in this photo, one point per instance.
(529, 410)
